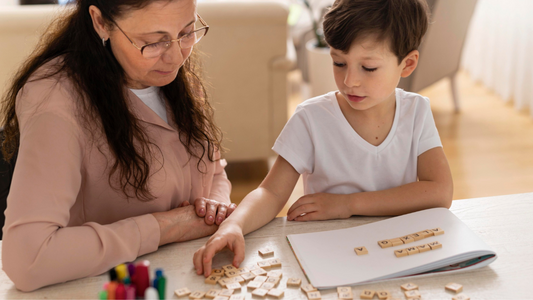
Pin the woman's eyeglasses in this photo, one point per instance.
(188, 40)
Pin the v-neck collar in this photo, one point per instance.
(361, 141)
(146, 114)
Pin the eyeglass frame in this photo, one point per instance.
(206, 27)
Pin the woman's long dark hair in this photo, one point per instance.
(100, 81)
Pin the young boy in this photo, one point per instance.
(366, 149)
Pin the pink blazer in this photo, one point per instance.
(63, 220)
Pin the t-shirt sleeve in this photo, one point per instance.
(429, 137)
(295, 142)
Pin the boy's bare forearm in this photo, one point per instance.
(257, 209)
(263, 204)
(403, 199)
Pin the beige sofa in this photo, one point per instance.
(245, 62)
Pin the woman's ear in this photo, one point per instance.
(409, 63)
(98, 22)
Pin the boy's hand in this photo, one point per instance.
(212, 210)
(228, 235)
(320, 206)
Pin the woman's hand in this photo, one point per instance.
(229, 235)
(182, 224)
(320, 206)
(213, 211)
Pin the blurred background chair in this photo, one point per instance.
(247, 55)
(442, 46)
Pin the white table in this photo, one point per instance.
(503, 222)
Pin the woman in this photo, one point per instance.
(114, 138)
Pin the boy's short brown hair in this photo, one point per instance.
(401, 22)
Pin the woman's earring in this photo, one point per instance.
(103, 41)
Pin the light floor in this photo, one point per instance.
(489, 145)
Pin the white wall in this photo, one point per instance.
(9, 2)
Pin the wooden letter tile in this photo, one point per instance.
(275, 293)
(273, 280)
(196, 295)
(212, 279)
(233, 286)
(266, 251)
(428, 233)
(435, 245)
(254, 284)
(243, 270)
(461, 297)
(226, 293)
(437, 231)
(385, 244)
(237, 297)
(248, 276)
(416, 236)
(259, 272)
(220, 298)
(409, 286)
(294, 282)
(412, 294)
(275, 262)
(423, 234)
(260, 292)
(344, 289)
(346, 296)
(360, 250)
(275, 273)
(407, 239)
(260, 278)
(423, 248)
(212, 293)
(267, 286)
(383, 295)
(232, 273)
(217, 272)
(455, 287)
(345, 293)
(182, 292)
(400, 252)
(264, 264)
(224, 281)
(315, 295)
(228, 268)
(308, 288)
(396, 242)
(412, 250)
(367, 294)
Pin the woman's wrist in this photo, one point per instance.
(181, 224)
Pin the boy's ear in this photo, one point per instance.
(409, 63)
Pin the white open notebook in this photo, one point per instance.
(328, 258)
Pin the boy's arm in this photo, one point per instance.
(256, 209)
(434, 189)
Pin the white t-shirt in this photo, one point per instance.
(321, 145)
(151, 97)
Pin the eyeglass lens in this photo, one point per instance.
(187, 41)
